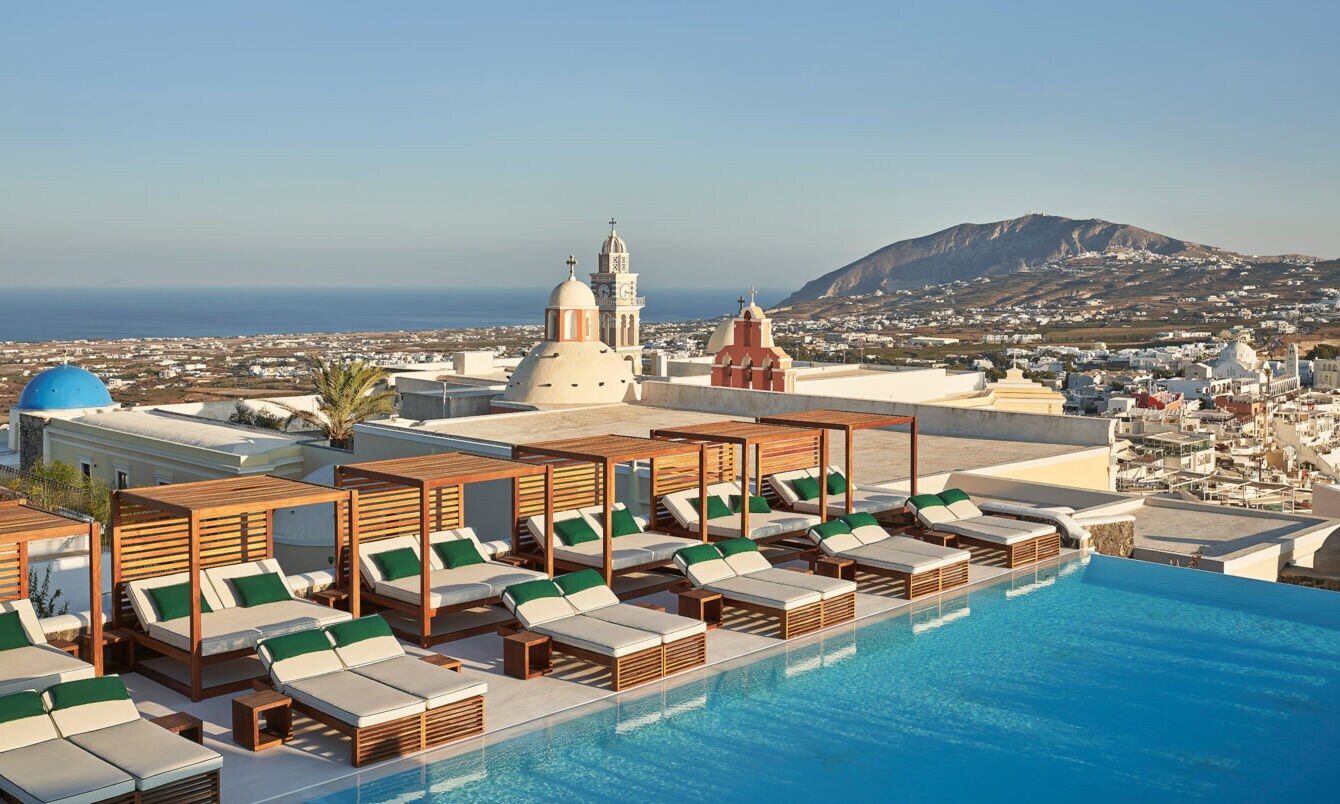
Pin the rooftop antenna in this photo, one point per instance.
(572, 267)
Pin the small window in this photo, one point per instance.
(162, 479)
(122, 478)
(86, 468)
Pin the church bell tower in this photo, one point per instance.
(615, 289)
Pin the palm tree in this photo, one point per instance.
(346, 395)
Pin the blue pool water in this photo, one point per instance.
(1105, 681)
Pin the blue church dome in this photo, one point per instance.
(63, 388)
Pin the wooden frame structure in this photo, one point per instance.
(848, 422)
(20, 525)
(779, 449)
(584, 473)
(914, 585)
(418, 496)
(190, 527)
(1013, 556)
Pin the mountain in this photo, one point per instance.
(972, 250)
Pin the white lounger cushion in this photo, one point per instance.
(27, 731)
(764, 593)
(592, 554)
(219, 579)
(705, 572)
(441, 595)
(598, 636)
(592, 598)
(354, 699)
(901, 560)
(827, 588)
(369, 570)
(60, 772)
(670, 627)
(996, 530)
(935, 516)
(862, 500)
(437, 686)
(241, 628)
(143, 605)
(37, 667)
(150, 753)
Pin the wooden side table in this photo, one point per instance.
(188, 726)
(527, 655)
(835, 567)
(651, 606)
(334, 598)
(701, 604)
(445, 662)
(70, 646)
(274, 709)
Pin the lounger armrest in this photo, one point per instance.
(511, 561)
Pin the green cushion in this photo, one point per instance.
(859, 520)
(716, 507)
(256, 590)
(174, 601)
(574, 582)
(575, 531)
(698, 552)
(527, 591)
(951, 496)
(401, 562)
(757, 505)
(622, 523)
(837, 484)
(12, 634)
(806, 488)
(87, 691)
(351, 631)
(732, 546)
(458, 553)
(923, 501)
(831, 528)
(291, 645)
(18, 705)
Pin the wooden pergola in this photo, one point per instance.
(848, 422)
(20, 525)
(584, 471)
(189, 527)
(420, 495)
(768, 448)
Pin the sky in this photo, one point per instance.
(478, 144)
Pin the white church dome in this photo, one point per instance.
(1237, 352)
(572, 294)
(571, 373)
(722, 336)
(614, 245)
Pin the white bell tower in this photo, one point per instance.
(615, 289)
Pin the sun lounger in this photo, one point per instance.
(38, 765)
(27, 662)
(920, 568)
(993, 539)
(798, 610)
(724, 522)
(633, 656)
(639, 549)
(683, 639)
(403, 712)
(804, 496)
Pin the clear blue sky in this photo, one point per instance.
(435, 143)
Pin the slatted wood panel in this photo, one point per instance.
(801, 621)
(387, 510)
(933, 582)
(20, 524)
(576, 485)
(638, 668)
(680, 473)
(13, 570)
(202, 789)
(454, 721)
(839, 609)
(683, 654)
(785, 455)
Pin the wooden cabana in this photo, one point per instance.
(191, 527)
(764, 448)
(20, 525)
(848, 422)
(584, 473)
(417, 497)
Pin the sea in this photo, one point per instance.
(65, 314)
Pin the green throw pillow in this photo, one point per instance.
(256, 590)
(458, 553)
(923, 501)
(527, 591)
(831, 528)
(401, 562)
(951, 496)
(698, 552)
(579, 581)
(757, 505)
(860, 519)
(622, 523)
(12, 634)
(837, 484)
(806, 488)
(174, 601)
(291, 645)
(575, 531)
(351, 631)
(87, 691)
(732, 546)
(19, 705)
(716, 507)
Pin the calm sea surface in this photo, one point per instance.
(96, 313)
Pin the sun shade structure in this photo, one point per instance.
(188, 528)
(20, 525)
(848, 422)
(584, 471)
(766, 448)
(416, 498)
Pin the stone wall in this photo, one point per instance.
(1305, 576)
(31, 430)
(1112, 538)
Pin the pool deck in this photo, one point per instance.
(318, 756)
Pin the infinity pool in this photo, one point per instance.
(1101, 679)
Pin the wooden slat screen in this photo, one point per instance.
(387, 510)
(576, 485)
(13, 579)
(785, 456)
(679, 472)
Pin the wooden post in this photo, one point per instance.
(549, 519)
(516, 512)
(653, 500)
(94, 596)
(850, 469)
(116, 561)
(609, 523)
(197, 658)
(914, 456)
(355, 575)
(702, 491)
(270, 532)
(744, 490)
(823, 475)
(425, 574)
(23, 570)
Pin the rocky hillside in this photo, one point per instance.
(972, 250)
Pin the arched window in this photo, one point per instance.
(551, 326)
(589, 328)
(570, 325)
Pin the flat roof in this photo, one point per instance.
(190, 431)
(1224, 532)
